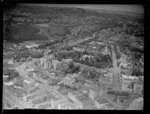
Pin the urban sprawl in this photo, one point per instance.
(80, 72)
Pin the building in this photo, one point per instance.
(9, 83)
(39, 100)
(44, 106)
(101, 92)
(106, 82)
(75, 75)
(10, 61)
(64, 105)
(73, 106)
(78, 49)
(138, 88)
(92, 94)
(101, 106)
(109, 107)
(129, 77)
(67, 60)
(59, 66)
(105, 51)
(137, 104)
(44, 63)
(75, 100)
(127, 82)
(28, 86)
(68, 80)
(101, 101)
(58, 103)
(38, 78)
(87, 102)
(126, 86)
(31, 69)
(31, 45)
(55, 63)
(30, 97)
(38, 63)
(109, 75)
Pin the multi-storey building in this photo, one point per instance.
(127, 82)
(75, 100)
(55, 63)
(68, 80)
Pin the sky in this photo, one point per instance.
(126, 8)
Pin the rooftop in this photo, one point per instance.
(102, 100)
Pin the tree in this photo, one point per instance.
(13, 75)
(71, 65)
(37, 55)
(75, 69)
(81, 79)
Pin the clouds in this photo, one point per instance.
(126, 8)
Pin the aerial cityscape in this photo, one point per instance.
(73, 58)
